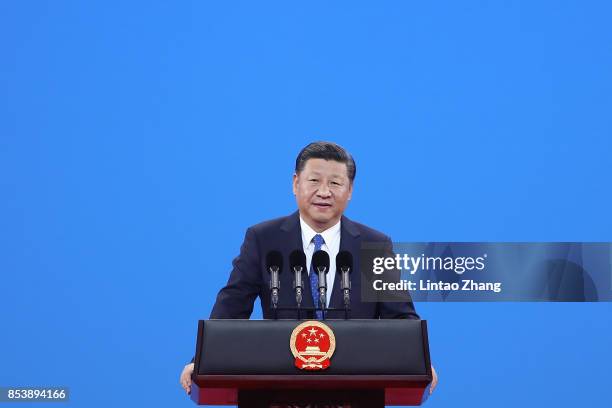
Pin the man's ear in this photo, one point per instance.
(295, 180)
(350, 195)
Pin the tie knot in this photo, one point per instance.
(318, 241)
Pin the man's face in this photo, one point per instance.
(322, 191)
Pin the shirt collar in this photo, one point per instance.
(329, 235)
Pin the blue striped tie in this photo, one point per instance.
(314, 276)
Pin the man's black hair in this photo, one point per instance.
(326, 151)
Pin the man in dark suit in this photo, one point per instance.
(323, 186)
(249, 277)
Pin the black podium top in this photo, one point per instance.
(262, 347)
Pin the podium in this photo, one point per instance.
(250, 363)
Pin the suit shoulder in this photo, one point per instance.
(370, 234)
(269, 225)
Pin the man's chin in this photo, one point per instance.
(325, 222)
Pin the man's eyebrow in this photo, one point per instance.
(334, 176)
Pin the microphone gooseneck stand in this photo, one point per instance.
(297, 266)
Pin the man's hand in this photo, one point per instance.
(434, 380)
(186, 377)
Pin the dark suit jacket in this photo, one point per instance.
(250, 279)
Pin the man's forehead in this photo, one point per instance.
(327, 167)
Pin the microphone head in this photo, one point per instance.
(320, 259)
(274, 259)
(344, 260)
(297, 258)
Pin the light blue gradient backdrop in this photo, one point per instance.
(138, 141)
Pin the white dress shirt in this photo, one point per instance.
(331, 236)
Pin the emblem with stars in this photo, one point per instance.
(312, 344)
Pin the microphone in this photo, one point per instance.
(297, 263)
(274, 264)
(320, 260)
(344, 267)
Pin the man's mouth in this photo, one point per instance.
(322, 205)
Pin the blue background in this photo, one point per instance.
(139, 140)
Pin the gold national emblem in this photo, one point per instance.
(312, 344)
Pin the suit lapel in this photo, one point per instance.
(293, 240)
(349, 241)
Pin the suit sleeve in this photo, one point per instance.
(403, 309)
(236, 299)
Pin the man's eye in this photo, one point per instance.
(335, 183)
(314, 180)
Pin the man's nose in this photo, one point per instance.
(324, 191)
